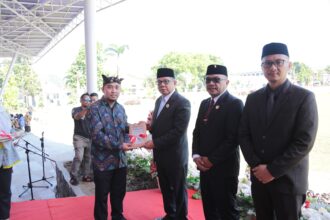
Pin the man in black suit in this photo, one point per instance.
(168, 126)
(215, 146)
(277, 132)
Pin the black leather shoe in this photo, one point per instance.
(74, 181)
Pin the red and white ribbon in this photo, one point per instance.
(5, 135)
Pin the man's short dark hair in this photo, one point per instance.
(82, 96)
(94, 94)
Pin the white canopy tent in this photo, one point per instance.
(31, 28)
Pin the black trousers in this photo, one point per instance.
(174, 190)
(271, 204)
(219, 195)
(5, 193)
(111, 182)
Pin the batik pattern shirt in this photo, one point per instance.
(108, 132)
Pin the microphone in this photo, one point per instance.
(27, 142)
(42, 136)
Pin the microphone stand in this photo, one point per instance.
(29, 184)
(43, 178)
(31, 145)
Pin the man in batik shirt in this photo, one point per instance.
(108, 123)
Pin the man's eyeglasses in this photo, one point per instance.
(86, 100)
(165, 81)
(268, 64)
(213, 79)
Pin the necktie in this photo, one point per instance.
(161, 105)
(270, 105)
(209, 109)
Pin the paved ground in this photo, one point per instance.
(57, 151)
(21, 177)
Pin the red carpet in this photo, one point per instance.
(138, 205)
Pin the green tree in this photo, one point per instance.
(76, 79)
(327, 69)
(27, 80)
(189, 68)
(324, 75)
(150, 85)
(302, 73)
(116, 50)
(10, 97)
(23, 83)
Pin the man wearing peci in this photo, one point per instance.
(215, 146)
(168, 126)
(108, 126)
(277, 132)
